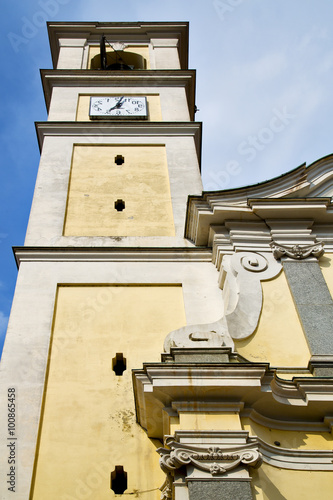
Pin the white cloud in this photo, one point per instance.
(266, 67)
(314, 35)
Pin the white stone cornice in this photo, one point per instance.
(134, 32)
(201, 216)
(242, 222)
(296, 459)
(316, 209)
(315, 180)
(110, 254)
(302, 391)
(250, 236)
(306, 193)
(215, 437)
(291, 232)
(320, 177)
(254, 385)
(120, 129)
(291, 425)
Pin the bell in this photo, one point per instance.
(119, 66)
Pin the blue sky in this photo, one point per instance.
(264, 91)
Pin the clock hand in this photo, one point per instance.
(118, 105)
(120, 102)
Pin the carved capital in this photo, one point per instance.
(298, 252)
(215, 461)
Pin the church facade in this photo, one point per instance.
(164, 342)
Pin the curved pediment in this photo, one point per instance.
(302, 193)
(303, 181)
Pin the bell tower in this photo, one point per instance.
(151, 318)
(121, 110)
(105, 272)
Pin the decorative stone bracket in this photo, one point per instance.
(241, 275)
(214, 461)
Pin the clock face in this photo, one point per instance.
(118, 107)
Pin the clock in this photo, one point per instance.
(118, 107)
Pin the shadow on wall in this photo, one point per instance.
(325, 262)
(268, 490)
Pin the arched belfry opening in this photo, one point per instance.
(111, 59)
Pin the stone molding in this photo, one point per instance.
(80, 41)
(202, 355)
(216, 462)
(164, 42)
(157, 385)
(106, 129)
(236, 236)
(251, 224)
(133, 32)
(285, 458)
(296, 459)
(111, 254)
(294, 425)
(321, 365)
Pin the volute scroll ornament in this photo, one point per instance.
(241, 275)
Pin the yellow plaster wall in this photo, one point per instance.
(326, 265)
(153, 100)
(284, 484)
(96, 182)
(290, 439)
(279, 337)
(142, 50)
(195, 420)
(88, 425)
(289, 376)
